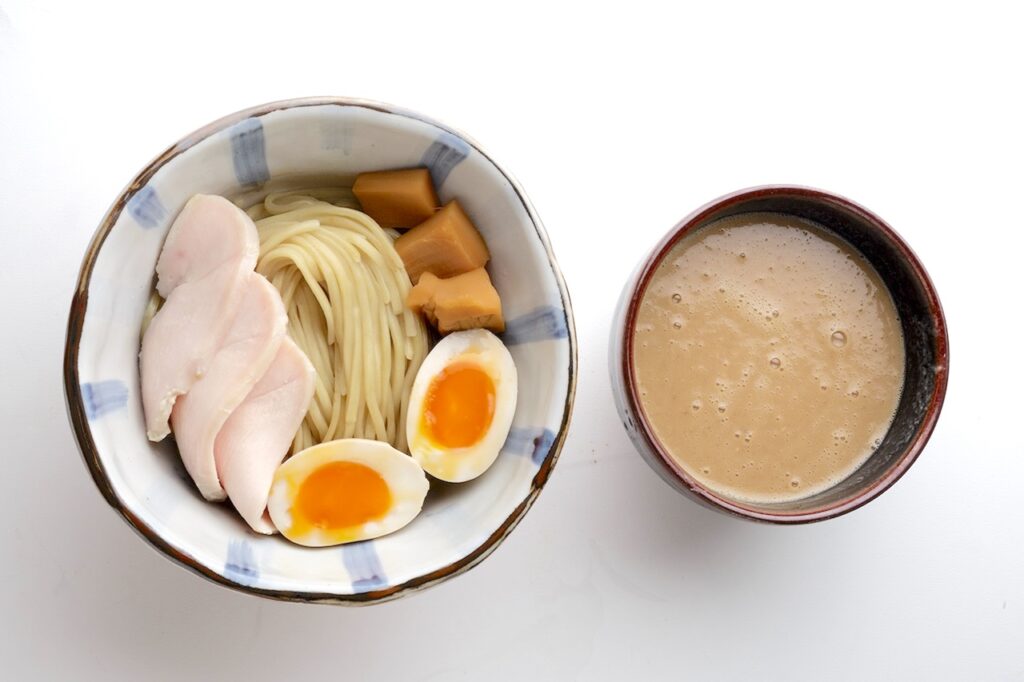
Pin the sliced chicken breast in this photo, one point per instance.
(256, 437)
(209, 232)
(246, 353)
(209, 253)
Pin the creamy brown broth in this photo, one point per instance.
(769, 357)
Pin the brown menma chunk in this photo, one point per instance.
(445, 245)
(466, 301)
(398, 198)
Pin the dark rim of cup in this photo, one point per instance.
(697, 220)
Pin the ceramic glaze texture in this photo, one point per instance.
(294, 144)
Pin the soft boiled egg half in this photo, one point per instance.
(461, 405)
(345, 490)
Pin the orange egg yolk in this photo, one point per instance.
(341, 495)
(459, 406)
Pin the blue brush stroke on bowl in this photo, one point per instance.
(147, 209)
(542, 324)
(240, 566)
(444, 154)
(334, 137)
(103, 397)
(249, 152)
(533, 441)
(363, 566)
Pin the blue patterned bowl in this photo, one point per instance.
(289, 144)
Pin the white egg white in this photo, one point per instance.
(485, 350)
(404, 478)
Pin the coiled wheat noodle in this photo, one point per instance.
(344, 287)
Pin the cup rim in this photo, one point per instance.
(645, 430)
(89, 451)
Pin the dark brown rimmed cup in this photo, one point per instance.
(924, 333)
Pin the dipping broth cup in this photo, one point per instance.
(924, 333)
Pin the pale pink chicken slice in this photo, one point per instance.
(256, 437)
(248, 349)
(208, 254)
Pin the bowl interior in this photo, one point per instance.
(295, 144)
(923, 331)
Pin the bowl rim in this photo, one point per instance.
(80, 424)
(691, 486)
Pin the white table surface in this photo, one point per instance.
(617, 122)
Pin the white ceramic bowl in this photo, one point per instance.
(288, 143)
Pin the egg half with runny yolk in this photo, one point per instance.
(345, 490)
(461, 405)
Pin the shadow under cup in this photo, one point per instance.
(924, 333)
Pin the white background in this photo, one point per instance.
(617, 121)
